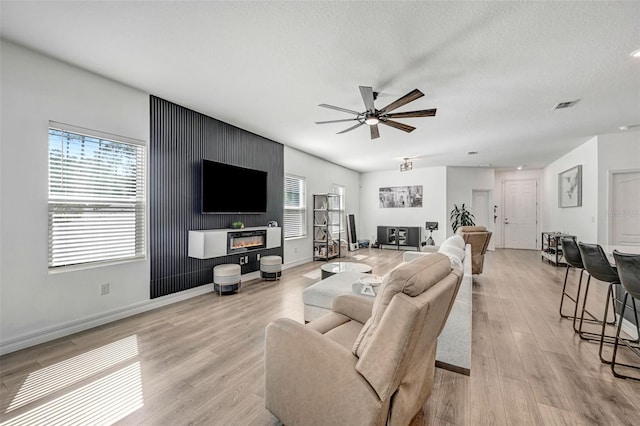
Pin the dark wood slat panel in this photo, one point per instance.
(180, 138)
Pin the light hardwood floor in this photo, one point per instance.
(200, 361)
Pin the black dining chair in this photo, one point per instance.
(628, 266)
(598, 266)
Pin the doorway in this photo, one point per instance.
(481, 200)
(624, 209)
(520, 220)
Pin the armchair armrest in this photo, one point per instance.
(355, 307)
(298, 362)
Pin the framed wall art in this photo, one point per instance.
(401, 196)
(570, 187)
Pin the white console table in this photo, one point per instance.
(209, 243)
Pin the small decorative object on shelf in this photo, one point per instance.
(237, 225)
(326, 226)
(551, 249)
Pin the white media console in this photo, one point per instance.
(209, 243)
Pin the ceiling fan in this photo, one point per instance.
(373, 116)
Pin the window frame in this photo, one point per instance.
(139, 206)
(301, 209)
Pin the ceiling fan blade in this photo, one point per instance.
(375, 133)
(351, 128)
(409, 97)
(339, 109)
(409, 114)
(335, 121)
(404, 127)
(367, 97)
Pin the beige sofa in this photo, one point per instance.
(370, 361)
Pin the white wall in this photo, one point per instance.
(500, 177)
(616, 152)
(579, 221)
(433, 181)
(320, 176)
(461, 181)
(36, 89)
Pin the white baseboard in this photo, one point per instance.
(65, 329)
(297, 263)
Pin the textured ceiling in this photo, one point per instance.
(494, 70)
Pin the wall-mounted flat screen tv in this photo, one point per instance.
(232, 189)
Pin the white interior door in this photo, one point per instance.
(624, 211)
(520, 222)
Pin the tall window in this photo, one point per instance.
(295, 210)
(96, 198)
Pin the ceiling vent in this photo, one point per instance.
(567, 104)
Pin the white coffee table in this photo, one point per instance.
(331, 268)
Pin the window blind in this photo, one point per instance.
(295, 212)
(96, 199)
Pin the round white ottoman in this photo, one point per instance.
(226, 278)
(270, 267)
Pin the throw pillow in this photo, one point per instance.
(412, 279)
(454, 241)
(456, 256)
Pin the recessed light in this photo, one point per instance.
(623, 128)
(635, 53)
(520, 167)
(472, 152)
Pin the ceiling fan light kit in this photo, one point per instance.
(372, 116)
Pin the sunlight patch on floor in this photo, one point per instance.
(313, 275)
(103, 401)
(50, 379)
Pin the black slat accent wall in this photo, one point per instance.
(180, 138)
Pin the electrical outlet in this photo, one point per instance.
(258, 257)
(246, 259)
(104, 289)
(242, 260)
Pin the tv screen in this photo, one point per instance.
(232, 189)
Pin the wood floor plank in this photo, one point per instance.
(486, 403)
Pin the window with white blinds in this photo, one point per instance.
(96, 199)
(295, 211)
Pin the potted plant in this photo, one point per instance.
(460, 216)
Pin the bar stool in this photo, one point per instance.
(629, 271)
(573, 259)
(597, 265)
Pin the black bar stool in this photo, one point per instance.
(573, 258)
(597, 265)
(628, 266)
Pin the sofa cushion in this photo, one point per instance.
(412, 279)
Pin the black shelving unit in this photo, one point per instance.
(551, 249)
(399, 236)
